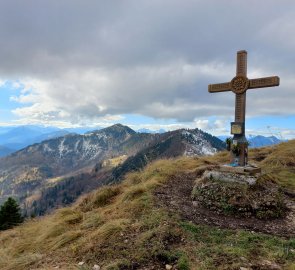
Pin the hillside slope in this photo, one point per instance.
(130, 226)
(170, 145)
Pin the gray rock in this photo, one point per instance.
(230, 177)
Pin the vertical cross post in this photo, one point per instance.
(239, 140)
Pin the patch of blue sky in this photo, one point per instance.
(9, 90)
(283, 127)
(271, 122)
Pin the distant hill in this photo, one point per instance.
(4, 151)
(51, 135)
(260, 141)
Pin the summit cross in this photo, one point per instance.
(239, 86)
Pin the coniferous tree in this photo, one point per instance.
(10, 214)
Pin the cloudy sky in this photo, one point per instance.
(145, 63)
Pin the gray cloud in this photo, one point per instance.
(84, 60)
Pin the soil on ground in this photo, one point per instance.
(176, 197)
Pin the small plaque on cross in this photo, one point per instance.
(237, 128)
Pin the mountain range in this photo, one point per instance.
(14, 138)
(261, 141)
(56, 171)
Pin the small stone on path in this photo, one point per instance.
(271, 265)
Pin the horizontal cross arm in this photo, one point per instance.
(264, 82)
(219, 87)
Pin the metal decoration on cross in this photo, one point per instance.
(239, 85)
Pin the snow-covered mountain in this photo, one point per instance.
(197, 144)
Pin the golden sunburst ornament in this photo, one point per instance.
(239, 84)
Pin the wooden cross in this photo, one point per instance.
(239, 85)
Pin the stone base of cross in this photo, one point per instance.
(239, 86)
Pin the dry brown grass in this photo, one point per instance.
(279, 162)
(93, 226)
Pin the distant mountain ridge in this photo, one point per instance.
(5, 151)
(169, 145)
(261, 141)
(17, 137)
(258, 140)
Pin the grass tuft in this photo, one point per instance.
(100, 198)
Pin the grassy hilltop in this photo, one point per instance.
(144, 223)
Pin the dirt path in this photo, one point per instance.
(176, 196)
